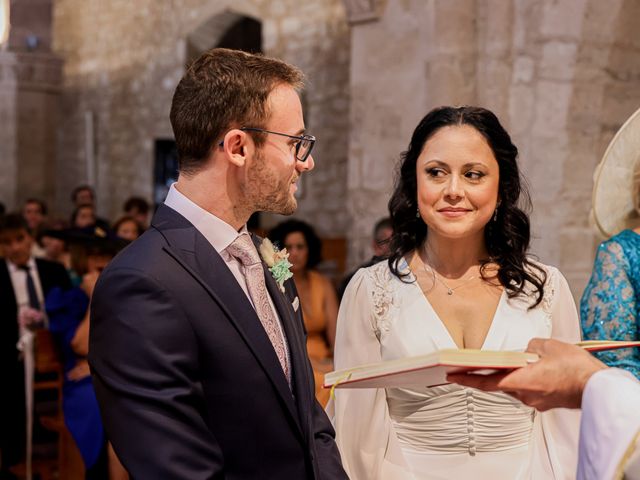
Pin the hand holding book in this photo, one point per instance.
(557, 379)
(433, 369)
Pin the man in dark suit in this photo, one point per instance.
(24, 282)
(197, 351)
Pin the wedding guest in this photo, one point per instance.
(610, 305)
(34, 212)
(316, 295)
(380, 241)
(84, 216)
(24, 283)
(138, 208)
(127, 228)
(85, 195)
(53, 243)
(68, 313)
(458, 276)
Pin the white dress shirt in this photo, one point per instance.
(19, 283)
(220, 235)
(610, 424)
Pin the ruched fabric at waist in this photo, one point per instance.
(452, 419)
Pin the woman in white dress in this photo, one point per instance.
(458, 277)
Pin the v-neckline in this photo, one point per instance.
(443, 327)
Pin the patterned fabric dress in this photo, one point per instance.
(610, 305)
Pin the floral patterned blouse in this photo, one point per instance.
(610, 305)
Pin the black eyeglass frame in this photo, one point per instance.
(302, 138)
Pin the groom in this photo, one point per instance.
(198, 355)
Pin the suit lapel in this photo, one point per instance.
(292, 325)
(191, 250)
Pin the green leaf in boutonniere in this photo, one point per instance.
(277, 261)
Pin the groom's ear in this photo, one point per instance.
(237, 147)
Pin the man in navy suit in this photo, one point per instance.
(24, 282)
(199, 359)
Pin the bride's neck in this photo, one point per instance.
(453, 257)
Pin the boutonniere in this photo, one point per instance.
(277, 261)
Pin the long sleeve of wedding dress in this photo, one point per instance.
(367, 440)
(450, 431)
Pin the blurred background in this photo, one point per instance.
(86, 87)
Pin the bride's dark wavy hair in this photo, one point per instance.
(507, 238)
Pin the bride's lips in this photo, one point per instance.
(453, 212)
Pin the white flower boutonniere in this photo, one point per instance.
(277, 261)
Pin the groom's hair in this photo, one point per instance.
(224, 89)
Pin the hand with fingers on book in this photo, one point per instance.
(557, 379)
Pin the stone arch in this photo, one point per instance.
(216, 29)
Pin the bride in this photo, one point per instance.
(458, 277)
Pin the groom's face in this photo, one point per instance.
(274, 171)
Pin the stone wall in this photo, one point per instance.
(562, 75)
(30, 81)
(122, 63)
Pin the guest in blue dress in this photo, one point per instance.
(68, 314)
(610, 305)
(66, 311)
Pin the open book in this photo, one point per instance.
(431, 370)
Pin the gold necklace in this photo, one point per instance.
(436, 276)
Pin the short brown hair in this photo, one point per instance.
(223, 89)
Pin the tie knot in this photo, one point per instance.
(243, 249)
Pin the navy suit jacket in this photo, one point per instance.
(188, 382)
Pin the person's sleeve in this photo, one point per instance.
(555, 432)
(364, 432)
(610, 424)
(144, 360)
(608, 307)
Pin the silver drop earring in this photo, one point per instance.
(495, 215)
(417, 213)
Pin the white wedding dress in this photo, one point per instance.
(446, 432)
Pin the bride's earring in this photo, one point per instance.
(417, 213)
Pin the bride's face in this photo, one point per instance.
(457, 179)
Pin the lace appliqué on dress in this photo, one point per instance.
(383, 296)
(549, 295)
(611, 302)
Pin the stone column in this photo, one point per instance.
(30, 82)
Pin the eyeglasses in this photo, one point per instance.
(303, 146)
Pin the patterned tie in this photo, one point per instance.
(31, 288)
(243, 249)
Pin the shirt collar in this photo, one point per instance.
(217, 232)
(31, 263)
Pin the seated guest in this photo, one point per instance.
(24, 283)
(68, 314)
(317, 296)
(138, 208)
(382, 232)
(127, 228)
(610, 305)
(84, 216)
(53, 243)
(85, 195)
(34, 212)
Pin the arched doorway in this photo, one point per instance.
(224, 30)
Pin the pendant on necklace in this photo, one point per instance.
(449, 292)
